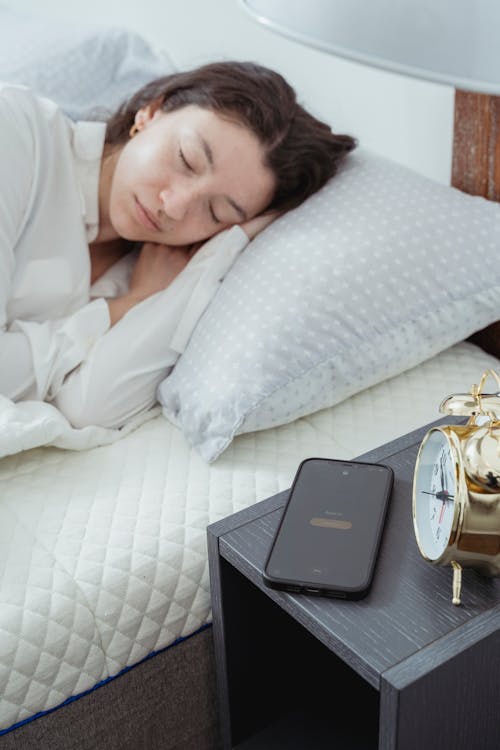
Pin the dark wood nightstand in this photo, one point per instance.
(400, 669)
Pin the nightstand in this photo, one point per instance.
(401, 669)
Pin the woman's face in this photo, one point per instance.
(185, 176)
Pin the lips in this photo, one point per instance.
(145, 217)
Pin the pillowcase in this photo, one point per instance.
(378, 271)
(87, 69)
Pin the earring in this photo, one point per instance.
(133, 130)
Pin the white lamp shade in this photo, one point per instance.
(454, 42)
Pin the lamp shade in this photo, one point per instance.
(454, 42)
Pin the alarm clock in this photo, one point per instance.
(456, 486)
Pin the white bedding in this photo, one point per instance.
(103, 551)
(30, 424)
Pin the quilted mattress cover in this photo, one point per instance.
(103, 556)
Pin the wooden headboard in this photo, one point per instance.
(476, 168)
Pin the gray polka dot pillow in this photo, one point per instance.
(378, 271)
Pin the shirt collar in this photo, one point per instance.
(88, 146)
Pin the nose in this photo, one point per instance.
(176, 201)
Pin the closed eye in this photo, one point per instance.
(185, 161)
(188, 166)
(212, 214)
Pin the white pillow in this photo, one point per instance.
(88, 69)
(375, 273)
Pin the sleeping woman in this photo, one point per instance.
(101, 224)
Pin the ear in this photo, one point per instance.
(146, 114)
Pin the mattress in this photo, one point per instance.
(103, 552)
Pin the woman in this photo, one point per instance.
(189, 156)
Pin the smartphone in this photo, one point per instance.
(328, 539)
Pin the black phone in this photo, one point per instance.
(328, 539)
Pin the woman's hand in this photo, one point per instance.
(156, 267)
(252, 227)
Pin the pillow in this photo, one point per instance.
(87, 69)
(378, 271)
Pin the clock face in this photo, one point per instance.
(434, 493)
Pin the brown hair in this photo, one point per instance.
(302, 152)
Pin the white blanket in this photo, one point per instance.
(31, 424)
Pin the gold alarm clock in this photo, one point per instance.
(456, 486)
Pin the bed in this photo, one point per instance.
(105, 637)
(104, 563)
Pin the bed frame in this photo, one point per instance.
(168, 702)
(476, 168)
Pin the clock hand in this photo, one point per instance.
(442, 474)
(441, 495)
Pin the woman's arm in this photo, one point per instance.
(120, 376)
(37, 357)
(156, 267)
(34, 356)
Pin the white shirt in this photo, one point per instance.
(56, 343)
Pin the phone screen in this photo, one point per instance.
(331, 526)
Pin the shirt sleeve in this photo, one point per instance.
(39, 356)
(120, 377)
(35, 357)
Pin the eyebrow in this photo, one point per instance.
(210, 158)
